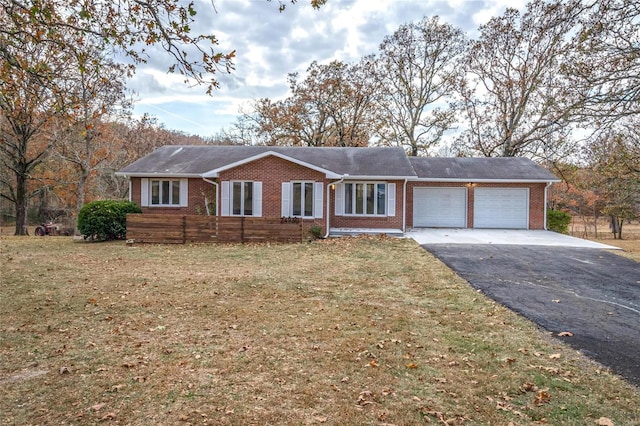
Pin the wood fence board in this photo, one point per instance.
(164, 228)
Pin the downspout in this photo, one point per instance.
(404, 207)
(329, 204)
(216, 185)
(545, 204)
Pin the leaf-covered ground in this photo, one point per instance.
(341, 331)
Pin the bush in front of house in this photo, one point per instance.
(558, 221)
(106, 219)
(316, 231)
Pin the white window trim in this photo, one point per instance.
(341, 199)
(287, 199)
(227, 198)
(146, 193)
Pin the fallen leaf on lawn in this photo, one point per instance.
(604, 421)
(542, 397)
(565, 334)
(108, 416)
(412, 365)
(373, 363)
(554, 356)
(431, 412)
(365, 398)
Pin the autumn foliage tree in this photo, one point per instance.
(126, 27)
(331, 106)
(97, 95)
(613, 159)
(32, 97)
(578, 194)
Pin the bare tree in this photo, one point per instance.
(517, 97)
(606, 60)
(417, 70)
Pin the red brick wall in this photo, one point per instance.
(536, 199)
(198, 190)
(272, 171)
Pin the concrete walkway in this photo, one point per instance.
(500, 237)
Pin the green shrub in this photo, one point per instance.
(105, 220)
(558, 221)
(316, 231)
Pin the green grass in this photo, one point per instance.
(348, 331)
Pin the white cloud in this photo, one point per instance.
(270, 44)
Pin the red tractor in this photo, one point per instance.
(50, 228)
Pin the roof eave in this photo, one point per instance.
(376, 177)
(487, 180)
(158, 175)
(216, 172)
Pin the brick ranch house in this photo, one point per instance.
(342, 189)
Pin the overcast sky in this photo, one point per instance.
(269, 45)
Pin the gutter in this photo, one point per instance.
(216, 185)
(545, 204)
(404, 207)
(328, 213)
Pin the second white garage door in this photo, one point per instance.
(440, 207)
(502, 208)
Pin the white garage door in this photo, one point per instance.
(506, 208)
(440, 207)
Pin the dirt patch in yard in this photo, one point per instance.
(351, 330)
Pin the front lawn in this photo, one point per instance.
(341, 331)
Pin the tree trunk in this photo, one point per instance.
(620, 222)
(616, 227)
(21, 205)
(84, 176)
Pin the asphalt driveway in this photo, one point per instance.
(589, 292)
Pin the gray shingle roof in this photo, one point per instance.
(195, 161)
(175, 160)
(480, 169)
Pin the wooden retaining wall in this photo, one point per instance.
(181, 229)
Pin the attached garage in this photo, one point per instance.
(505, 208)
(440, 207)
